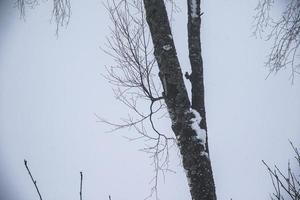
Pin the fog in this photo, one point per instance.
(51, 88)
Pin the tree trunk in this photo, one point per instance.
(188, 120)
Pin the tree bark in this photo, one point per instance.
(188, 120)
(197, 81)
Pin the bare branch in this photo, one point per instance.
(33, 180)
(283, 32)
(22, 4)
(61, 13)
(61, 10)
(286, 186)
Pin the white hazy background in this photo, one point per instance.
(51, 88)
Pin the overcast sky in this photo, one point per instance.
(51, 88)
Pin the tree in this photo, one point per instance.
(133, 52)
(132, 49)
(284, 32)
(135, 23)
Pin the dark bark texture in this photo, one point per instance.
(194, 150)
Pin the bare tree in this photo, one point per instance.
(135, 24)
(142, 46)
(286, 186)
(284, 32)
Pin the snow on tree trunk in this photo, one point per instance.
(188, 120)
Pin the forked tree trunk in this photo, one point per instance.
(188, 119)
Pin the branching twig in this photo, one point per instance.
(286, 186)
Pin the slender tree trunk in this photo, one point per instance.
(196, 78)
(194, 43)
(188, 120)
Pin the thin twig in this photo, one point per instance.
(80, 192)
(32, 179)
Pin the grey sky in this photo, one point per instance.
(50, 89)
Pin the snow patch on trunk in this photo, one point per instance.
(194, 9)
(204, 154)
(167, 47)
(195, 125)
(201, 133)
(188, 178)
